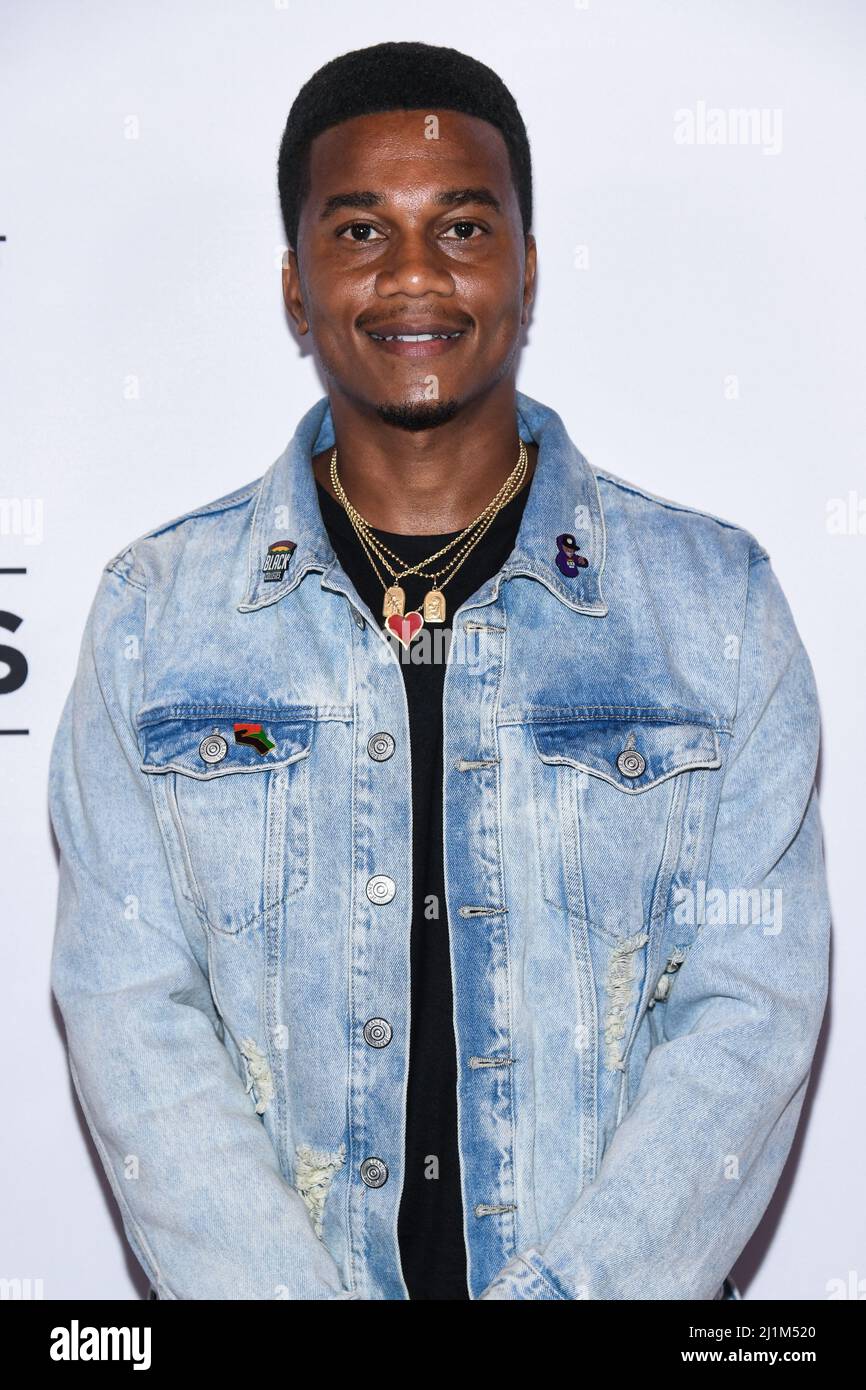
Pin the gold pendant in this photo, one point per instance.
(434, 606)
(395, 601)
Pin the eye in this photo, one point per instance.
(354, 226)
(464, 223)
(365, 227)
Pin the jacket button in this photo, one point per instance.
(213, 748)
(377, 1032)
(381, 888)
(631, 763)
(374, 1172)
(380, 747)
(360, 620)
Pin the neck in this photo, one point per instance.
(431, 481)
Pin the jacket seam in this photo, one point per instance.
(626, 486)
(587, 714)
(534, 1262)
(113, 567)
(737, 701)
(220, 504)
(113, 1180)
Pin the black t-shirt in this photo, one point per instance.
(430, 1220)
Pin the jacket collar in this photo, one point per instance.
(563, 497)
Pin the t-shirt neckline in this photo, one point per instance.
(339, 519)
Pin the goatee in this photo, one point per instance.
(418, 415)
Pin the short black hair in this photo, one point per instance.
(389, 77)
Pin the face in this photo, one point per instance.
(402, 234)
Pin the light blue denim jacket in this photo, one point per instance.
(635, 887)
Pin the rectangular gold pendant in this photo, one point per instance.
(395, 601)
(434, 606)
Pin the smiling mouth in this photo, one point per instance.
(413, 337)
(412, 345)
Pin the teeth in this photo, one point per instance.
(412, 337)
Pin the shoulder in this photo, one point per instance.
(214, 525)
(622, 498)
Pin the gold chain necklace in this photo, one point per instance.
(405, 626)
(508, 489)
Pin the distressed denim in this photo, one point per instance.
(636, 895)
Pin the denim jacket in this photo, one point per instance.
(636, 895)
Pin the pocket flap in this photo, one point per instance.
(631, 756)
(204, 746)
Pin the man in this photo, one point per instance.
(442, 908)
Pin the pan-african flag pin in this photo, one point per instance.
(255, 735)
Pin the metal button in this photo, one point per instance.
(381, 888)
(631, 763)
(377, 1032)
(380, 746)
(213, 748)
(360, 620)
(374, 1172)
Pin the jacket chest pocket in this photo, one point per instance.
(234, 794)
(610, 800)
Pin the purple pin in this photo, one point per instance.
(568, 562)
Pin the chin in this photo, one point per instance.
(418, 415)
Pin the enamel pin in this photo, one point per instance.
(567, 559)
(277, 560)
(255, 735)
(405, 626)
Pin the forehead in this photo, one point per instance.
(406, 146)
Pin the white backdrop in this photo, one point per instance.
(698, 325)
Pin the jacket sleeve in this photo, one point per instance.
(204, 1203)
(692, 1166)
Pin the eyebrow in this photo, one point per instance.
(448, 198)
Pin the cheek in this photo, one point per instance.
(334, 336)
(502, 327)
(500, 309)
(330, 297)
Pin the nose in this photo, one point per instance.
(415, 267)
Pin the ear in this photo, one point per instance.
(530, 267)
(292, 291)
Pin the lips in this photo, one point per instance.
(395, 327)
(384, 337)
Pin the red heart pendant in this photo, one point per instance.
(404, 626)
